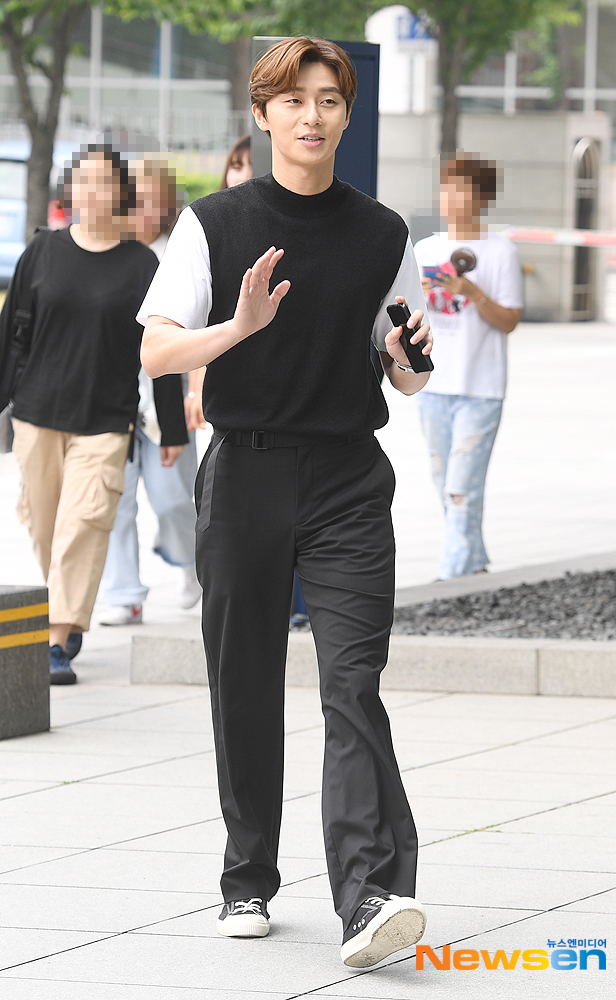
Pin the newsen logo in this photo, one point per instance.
(531, 959)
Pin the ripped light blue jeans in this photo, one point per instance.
(460, 431)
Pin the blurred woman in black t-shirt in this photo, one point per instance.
(76, 402)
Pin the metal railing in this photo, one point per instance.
(190, 130)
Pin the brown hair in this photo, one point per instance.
(484, 175)
(277, 70)
(236, 156)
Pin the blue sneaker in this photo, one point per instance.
(73, 644)
(60, 671)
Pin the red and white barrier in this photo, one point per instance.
(561, 237)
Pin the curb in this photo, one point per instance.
(418, 663)
(460, 585)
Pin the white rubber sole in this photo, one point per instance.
(243, 925)
(399, 924)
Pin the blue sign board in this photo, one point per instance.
(412, 29)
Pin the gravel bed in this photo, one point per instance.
(577, 606)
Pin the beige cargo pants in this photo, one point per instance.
(70, 488)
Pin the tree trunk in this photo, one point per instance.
(240, 68)
(39, 168)
(42, 128)
(451, 73)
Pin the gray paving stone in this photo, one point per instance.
(31, 989)
(87, 908)
(600, 735)
(474, 885)
(13, 789)
(557, 712)
(452, 780)
(602, 902)
(14, 858)
(112, 869)
(207, 837)
(62, 766)
(194, 771)
(257, 965)
(22, 945)
(503, 849)
(471, 814)
(596, 817)
(545, 759)
(88, 815)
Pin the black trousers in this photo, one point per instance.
(325, 510)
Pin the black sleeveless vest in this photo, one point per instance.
(308, 372)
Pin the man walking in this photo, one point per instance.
(295, 479)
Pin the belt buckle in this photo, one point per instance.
(259, 439)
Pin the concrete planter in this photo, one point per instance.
(418, 663)
(24, 661)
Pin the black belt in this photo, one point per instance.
(264, 440)
(259, 441)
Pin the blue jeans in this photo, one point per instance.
(460, 431)
(170, 492)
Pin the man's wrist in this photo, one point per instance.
(404, 367)
(231, 330)
(234, 331)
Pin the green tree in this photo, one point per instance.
(37, 35)
(234, 22)
(549, 39)
(469, 32)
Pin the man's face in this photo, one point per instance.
(307, 124)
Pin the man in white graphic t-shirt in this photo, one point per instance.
(471, 313)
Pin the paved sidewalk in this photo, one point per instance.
(111, 842)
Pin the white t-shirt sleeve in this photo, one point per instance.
(510, 290)
(181, 289)
(406, 283)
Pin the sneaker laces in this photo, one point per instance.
(375, 901)
(248, 905)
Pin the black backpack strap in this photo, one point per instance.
(16, 320)
(24, 313)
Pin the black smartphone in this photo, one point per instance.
(400, 314)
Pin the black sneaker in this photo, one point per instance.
(244, 918)
(60, 671)
(380, 926)
(73, 644)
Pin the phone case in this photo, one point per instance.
(399, 316)
(433, 273)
